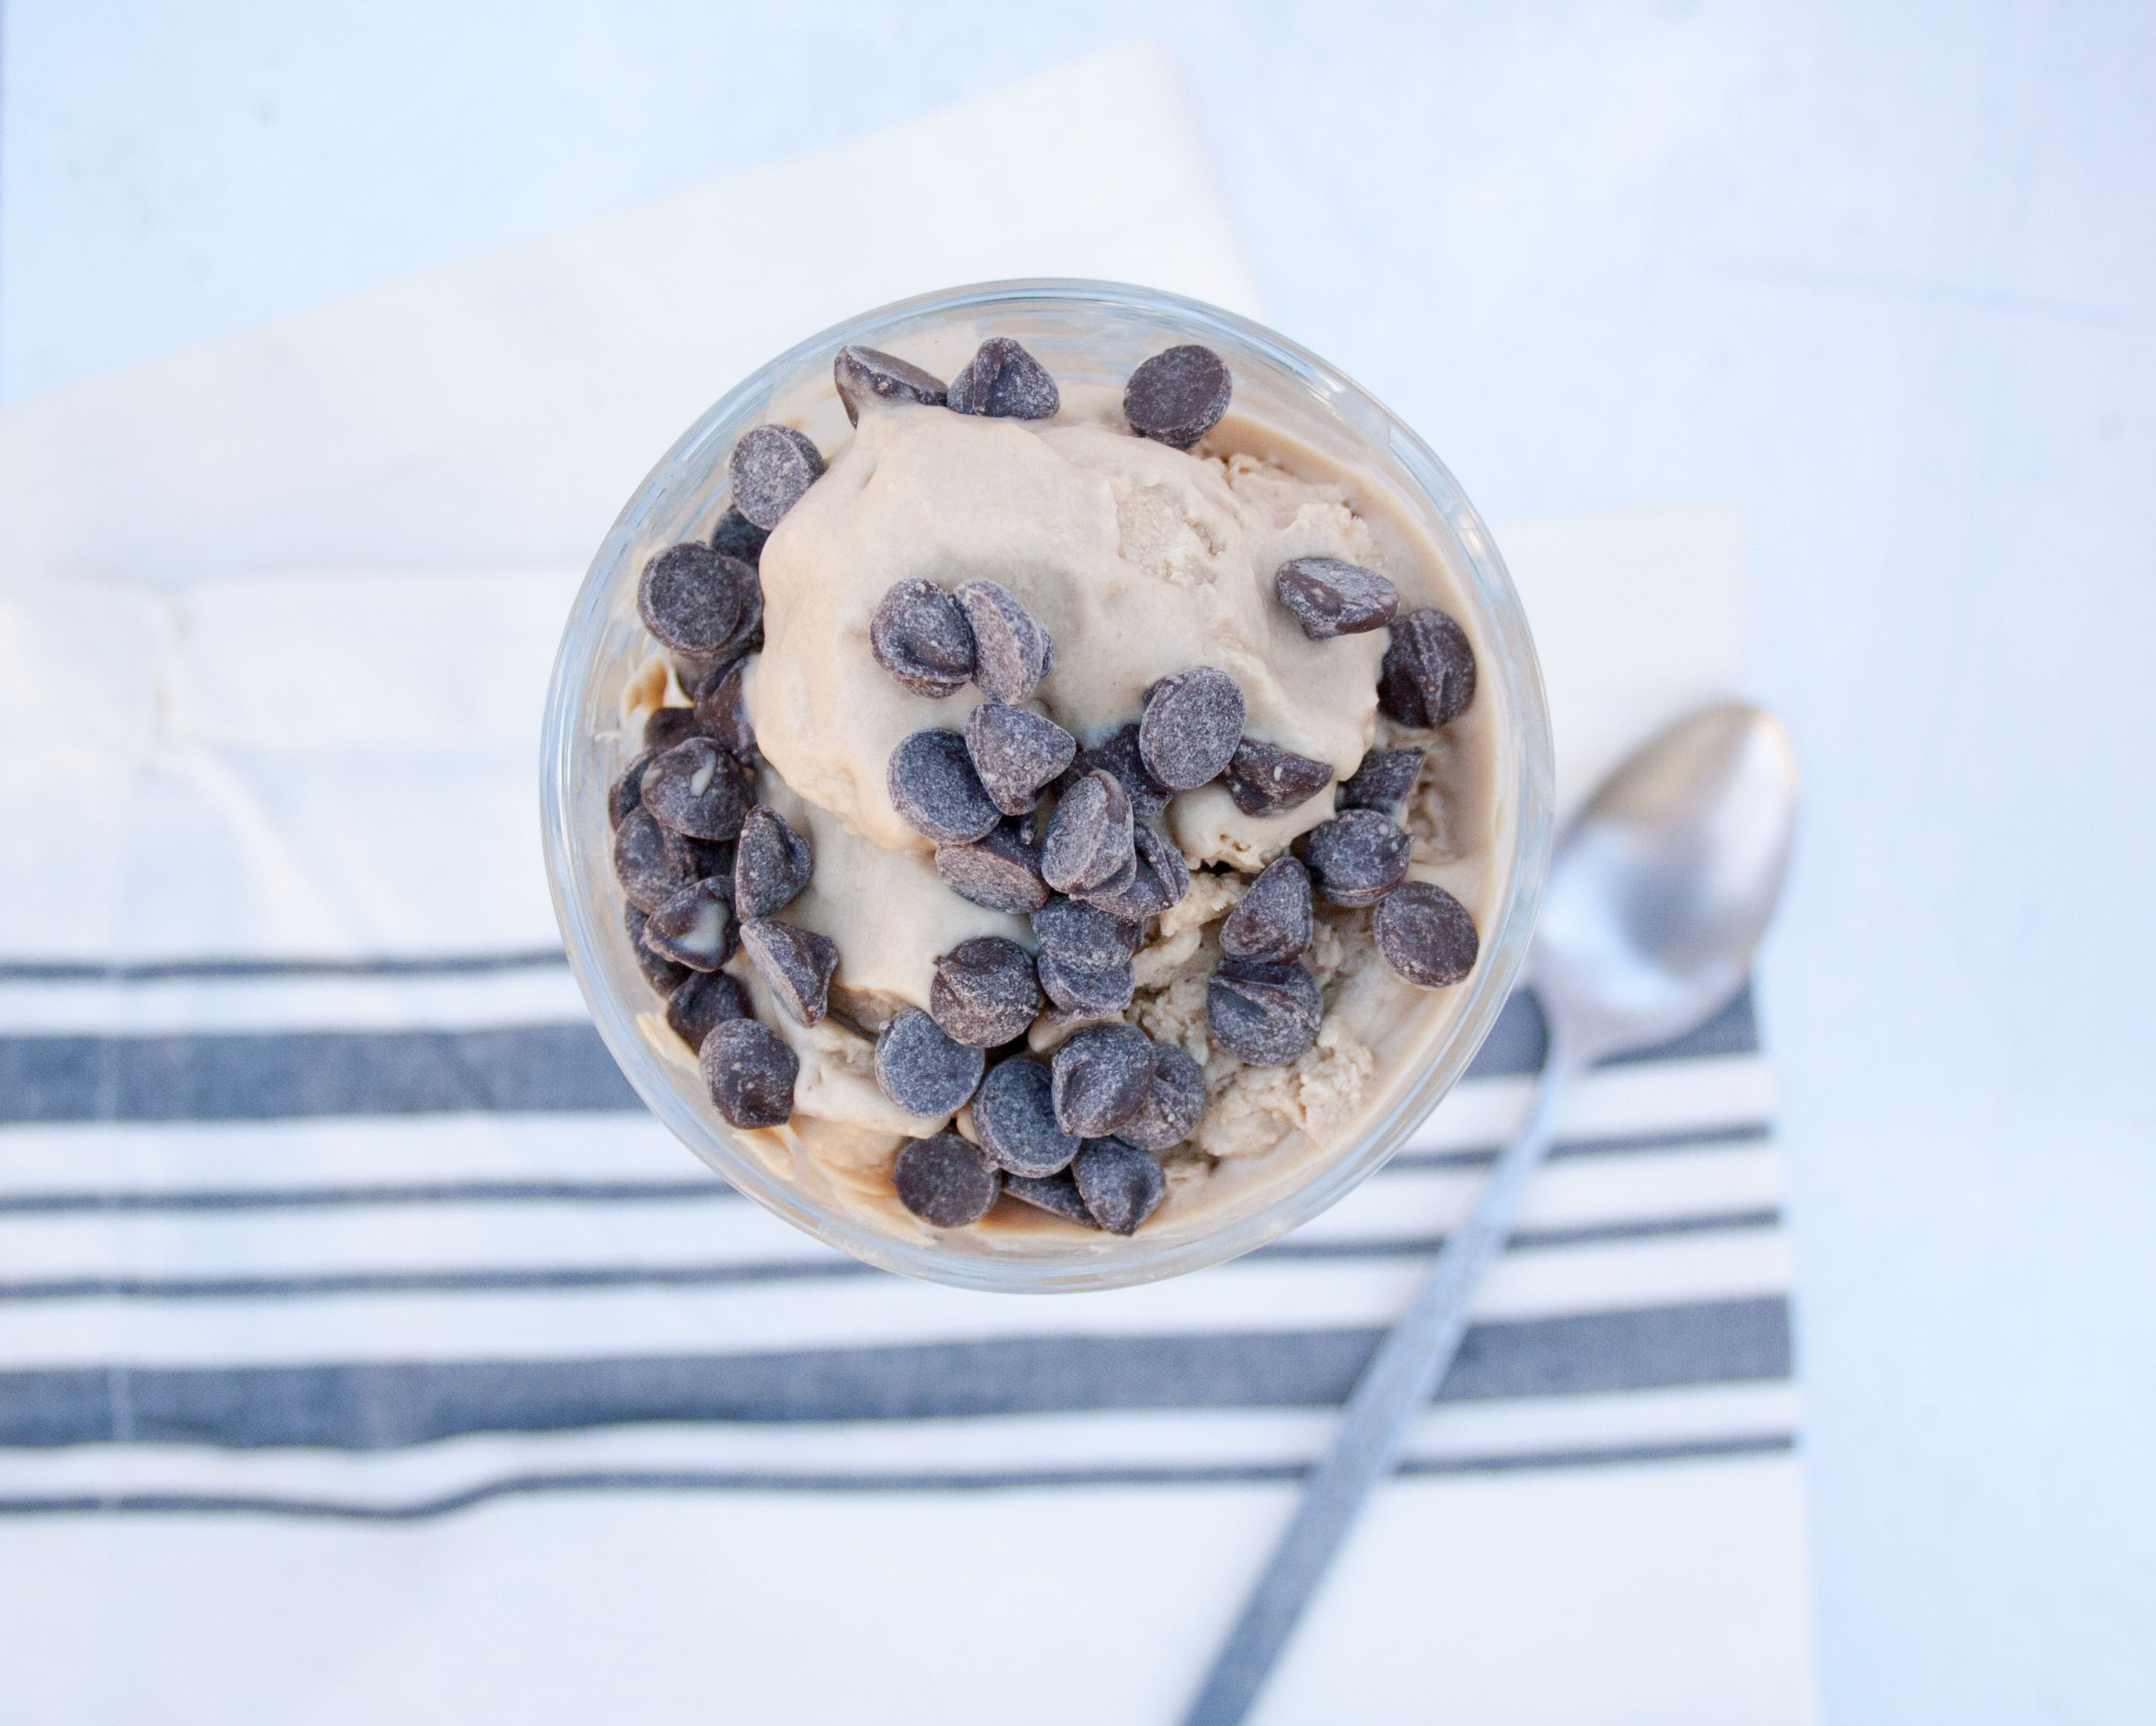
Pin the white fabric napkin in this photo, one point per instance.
(365, 1350)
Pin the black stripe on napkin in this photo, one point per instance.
(294, 1074)
(381, 1406)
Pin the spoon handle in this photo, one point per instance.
(1395, 1387)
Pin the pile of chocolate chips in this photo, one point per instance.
(1079, 1135)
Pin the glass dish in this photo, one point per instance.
(1084, 332)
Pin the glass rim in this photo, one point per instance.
(1503, 948)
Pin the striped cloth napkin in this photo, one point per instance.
(367, 1350)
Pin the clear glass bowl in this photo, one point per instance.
(1083, 332)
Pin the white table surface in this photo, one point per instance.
(1882, 276)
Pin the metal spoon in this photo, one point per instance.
(1658, 894)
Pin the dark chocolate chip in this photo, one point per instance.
(1263, 1014)
(922, 1069)
(1118, 754)
(1089, 836)
(1425, 934)
(699, 789)
(1015, 1114)
(627, 792)
(1428, 678)
(694, 927)
(1383, 782)
(1173, 1107)
(704, 999)
(1016, 752)
(1273, 921)
(1192, 723)
(1177, 397)
(737, 537)
(750, 1072)
(936, 791)
(1004, 380)
(1085, 936)
(1107, 990)
(1329, 598)
(1358, 856)
(944, 1180)
(709, 857)
(772, 863)
(722, 709)
(665, 726)
(1001, 871)
(771, 468)
(795, 963)
(984, 992)
(1056, 1194)
(660, 972)
(867, 375)
(1121, 1184)
(1102, 1078)
(1011, 651)
(1267, 780)
(1159, 853)
(1157, 878)
(651, 864)
(698, 601)
(920, 635)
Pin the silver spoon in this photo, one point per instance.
(1658, 894)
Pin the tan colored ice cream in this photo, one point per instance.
(1140, 561)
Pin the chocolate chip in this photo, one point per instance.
(1000, 871)
(1177, 397)
(1085, 936)
(1103, 1077)
(627, 792)
(1192, 723)
(1329, 598)
(750, 1073)
(1016, 752)
(867, 375)
(936, 791)
(771, 468)
(1264, 1013)
(1425, 934)
(708, 857)
(1004, 380)
(737, 537)
(1267, 780)
(1011, 651)
(944, 1181)
(660, 971)
(1273, 921)
(694, 927)
(923, 1069)
(722, 709)
(1089, 837)
(1383, 782)
(698, 601)
(1173, 1107)
(1121, 1184)
(1075, 990)
(1015, 1114)
(796, 965)
(1358, 856)
(920, 635)
(1119, 755)
(699, 789)
(1056, 1194)
(706, 999)
(651, 864)
(984, 992)
(665, 726)
(1157, 878)
(1427, 677)
(772, 863)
